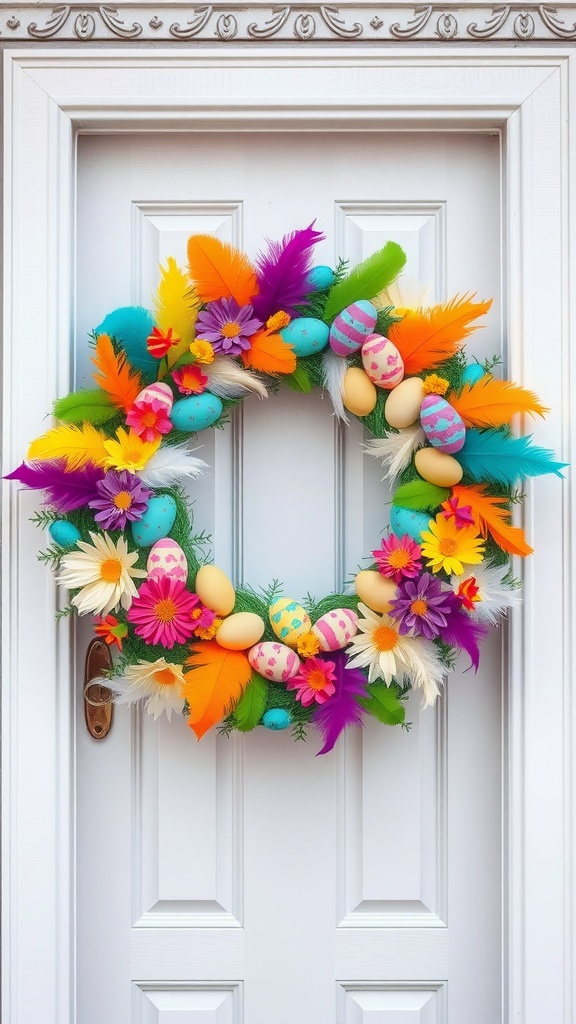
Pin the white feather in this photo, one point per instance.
(496, 597)
(228, 380)
(405, 293)
(334, 371)
(396, 450)
(169, 464)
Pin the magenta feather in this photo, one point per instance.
(64, 491)
(463, 632)
(342, 709)
(282, 273)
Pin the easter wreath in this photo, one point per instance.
(113, 469)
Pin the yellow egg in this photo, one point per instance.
(438, 468)
(215, 589)
(358, 392)
(288, 620)
(240, 631)
(375, 590)
(402, 407)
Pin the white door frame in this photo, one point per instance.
(51, 94)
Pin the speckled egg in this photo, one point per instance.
(215, 590)
(358, 392)
(64, 534)
(402, 407)
(274, 661)
(156, 522)
(473, 373)
(306, 335)
(442, 425)
(276, 718)
(288, 620)
(320, 278)
(240, 631)
(408, 520)
(166, 558)
(375, 590)
(382, 362)
(159, 391)
(196, 412)
(437, 467)
(336, 628)
(352, 326)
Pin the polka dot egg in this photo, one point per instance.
(382, 362)
(336, 628)
(288, 620)
(166, 558)
(274, 661)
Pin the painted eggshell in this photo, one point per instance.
(215, 590)
(358, 392)
(288, 620)
(64, 534)
(161, 392)
(352, 326)
(375, 590)
(473, 373)
(196, 412)
(274, 661)
(156, 522)
(382, 362)
(320, 278)
(276, 718)
(240, 631)
(402, 407)
(306, 335)
(442, 425)
(336, 628)
(166, 558)
(438, 468)
(408, 520)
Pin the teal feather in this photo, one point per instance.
(366, 280)
(496, 456)
(131, 326)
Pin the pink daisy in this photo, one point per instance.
(314, 681)
(398, 557)
(161, 612)
(149, 419)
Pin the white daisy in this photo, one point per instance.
(160, 681)
(493, 597)
(104, 571)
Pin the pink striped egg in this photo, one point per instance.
(159, 391)
(274, 661)
(352, 326)
(336, 628)
(166, 558)
(382, 362)
(443, 426)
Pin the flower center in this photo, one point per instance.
(111, 570)
(231, 330)
(123, 500)
(316, 679)
(419, 607)
(165, 611)
(447, 546)
(149, 419)
(385, 638)
(164, 677)
(399, 559)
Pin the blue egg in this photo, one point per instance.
(277, 718)
(407, 520)
(306, 335)
(156, 522)
(320, 278)
(196, 412)
(64, 534)
(473, 373)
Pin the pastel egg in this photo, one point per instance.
(382, 362)
(240, 631)
(402, 407)
(306, 335)
(166, 558)
(196, 412)
(358, 392)
(274, 661)
(156, 522)
(288, 620)
(442, 425)
(352, 326)
(276, 718)
(215, 590)
(320, 278)
(473, 373)
(64, 533)
(335, 629)
(438, 468)
(159, 391)
(408, 520)
(375, 590)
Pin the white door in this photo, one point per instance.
(244, 879)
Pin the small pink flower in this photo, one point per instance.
(149, 419)
(462, 513)
(398, 557)
(314, 681)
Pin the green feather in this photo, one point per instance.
(384, 704)
(366, 280)
(85, 407)
(420, 495)
(251, 705)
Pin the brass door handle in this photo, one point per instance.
(98, 706)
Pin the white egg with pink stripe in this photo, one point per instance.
(382, 362)
(274, 661)
(336, 628)
(166, 558)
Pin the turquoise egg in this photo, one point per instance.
(64, 534)
(473, 373)
(196, 412)
(306, 335)
(277, 718)
(156, 522)
(407, 520)
(320, 278)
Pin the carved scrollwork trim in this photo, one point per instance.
(492, 26)
(414, 25)
(270, 27)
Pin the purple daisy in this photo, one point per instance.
(122, 498)
(422, 606)
(227, 326)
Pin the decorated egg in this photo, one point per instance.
(240, 631)
(215, 590)
(320, 278)
(408, 520)
(64, 534)
(306, 335)
(288, 620)
(156, 522)
(159, 391)
(382, 362)
(442, 425)
(402, 407)
(335, 629)
(274, 661)
(352, 326)
(196, 412)
(473, 373)
(358, 392)
(276, 718)
(166, 558)
(375, 590)
(437, 467)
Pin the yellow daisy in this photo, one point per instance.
(202, 352)
(307, 645)
(129, 451)
(104, 571)
(447, 547)
(160, 681)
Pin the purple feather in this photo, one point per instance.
(64, 491)
(463, 632)
(342, 709)
(283, 273)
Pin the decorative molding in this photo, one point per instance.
(364, 23)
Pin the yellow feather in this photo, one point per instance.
(177, 306)
(77, 445)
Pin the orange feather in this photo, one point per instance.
(426, 338)
(269, 353)
(114, 376)
(490, 516)
(214, 684)
(220, 271)
(491, 403)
